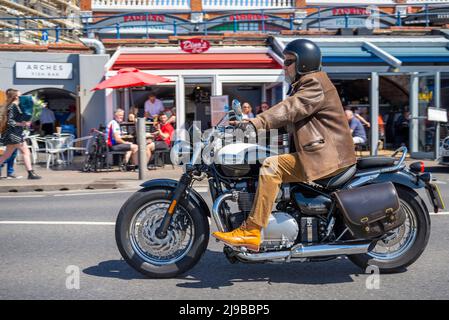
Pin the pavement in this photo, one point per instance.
(68, 178)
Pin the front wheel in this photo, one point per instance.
(179, 251)
(406, 243)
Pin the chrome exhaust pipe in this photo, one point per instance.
(329, 250)
(216, 210)
(314, 251)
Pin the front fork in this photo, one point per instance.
(183, 184)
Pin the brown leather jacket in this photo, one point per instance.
(314, 113)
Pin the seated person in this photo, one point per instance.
(162, 136)
(133, 114)
(357, 130)
(170, 112)
(115, 140)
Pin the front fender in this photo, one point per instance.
(172, 184)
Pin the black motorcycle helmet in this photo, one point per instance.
(307, 53)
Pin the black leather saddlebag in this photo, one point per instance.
(370, 211)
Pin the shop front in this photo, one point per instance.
(51, 78)
(62, 81)
(387, 79)
(248, 74)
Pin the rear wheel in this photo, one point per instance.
(405, 244)
(179, 251)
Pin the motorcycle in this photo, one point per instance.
(370, 212)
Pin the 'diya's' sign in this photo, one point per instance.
(195, 45)
(43, 70)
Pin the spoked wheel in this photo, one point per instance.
(403, 245)
(177, 252)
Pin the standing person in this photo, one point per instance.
(13, 135)
(47, 120)
(247, 111)
(324, 147)
(402, 128)
(10, 167)
(264, 106)
(357, 130)
(153, 106)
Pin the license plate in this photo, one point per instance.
(435, 196)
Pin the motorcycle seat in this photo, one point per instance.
(338, 180)
(375, 162)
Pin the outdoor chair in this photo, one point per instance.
(78, 145)
(162, 157)
(55, 149)
(360, 147)
(121, 159)
(34, 147)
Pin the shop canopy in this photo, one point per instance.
(393, 51)
(175, 59)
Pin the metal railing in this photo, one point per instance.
(212, 5)
(137, 5)
(232, 21)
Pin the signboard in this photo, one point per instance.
(439, 115)
(433, 17)
(44, 70)
(246, 22)
(343, 17)
(219, 108)
(195, 45)
(44, 36)
(142, 24)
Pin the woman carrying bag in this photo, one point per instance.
(12, 133)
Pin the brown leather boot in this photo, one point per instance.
(245, 236)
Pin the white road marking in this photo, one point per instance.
(92, 193)
(103, 223)
(443, 213)
(14, 197)
(81, 223)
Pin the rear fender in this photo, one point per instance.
(402, 178)
(171, 185)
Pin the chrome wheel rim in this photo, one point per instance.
(148, 246)
(400, 240)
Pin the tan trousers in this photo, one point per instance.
(274, 171)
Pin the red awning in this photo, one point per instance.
(196, 61)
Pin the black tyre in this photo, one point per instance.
(179, 251)
(408, 242)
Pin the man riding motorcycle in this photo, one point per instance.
(313, 113)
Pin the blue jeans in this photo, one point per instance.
(10, 163)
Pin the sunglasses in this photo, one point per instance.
(289, 62)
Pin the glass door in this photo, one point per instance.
(405, 99)
(424, 134)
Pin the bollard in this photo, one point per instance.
(142, 142)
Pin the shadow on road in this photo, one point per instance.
(113, 269)
(214, 271)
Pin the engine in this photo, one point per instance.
(285, 228)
